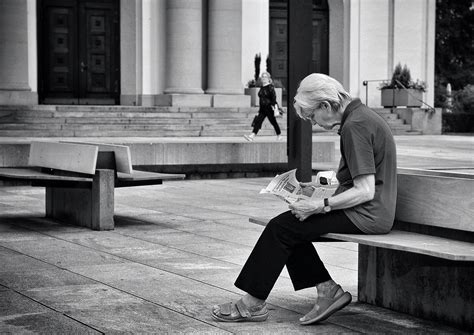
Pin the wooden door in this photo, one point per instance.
(79, 52)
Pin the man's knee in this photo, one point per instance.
(281, 222)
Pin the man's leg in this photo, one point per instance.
(304, 265)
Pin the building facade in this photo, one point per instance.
(199, 52)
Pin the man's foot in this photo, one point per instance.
(279, 137)
(326, 306)
(249, 137)
(238, 312)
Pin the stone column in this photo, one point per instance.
(14, 88)
(225, 47)
(184, 46)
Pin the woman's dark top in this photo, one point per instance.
(267, 96)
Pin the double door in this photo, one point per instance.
(78, 52)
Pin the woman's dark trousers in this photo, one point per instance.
(263, 112)
(288, 241)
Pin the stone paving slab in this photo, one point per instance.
(20, 315)
(48, 277)
(112, 310)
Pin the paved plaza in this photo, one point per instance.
(176, 250)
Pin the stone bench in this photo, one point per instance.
(425, 265)
(80, 179)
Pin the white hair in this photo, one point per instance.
(316, 88)
(269, 76)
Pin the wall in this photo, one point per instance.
(255, 35)
(379, 34)
(336, 40)
(153, 49)
(130, 52)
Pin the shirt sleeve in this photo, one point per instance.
(272, 97)
(358, 150)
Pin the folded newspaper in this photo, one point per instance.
(286, 187)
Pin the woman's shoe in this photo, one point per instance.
(238, 312)
(249, 137)
(325, 306)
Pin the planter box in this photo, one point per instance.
(398, 97)
(253, 92)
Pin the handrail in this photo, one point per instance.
(366, 84)
(431, 109)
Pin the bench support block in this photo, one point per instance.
(87, 207)
(424, 286)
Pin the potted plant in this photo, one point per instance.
(254, 84)
(401, 90)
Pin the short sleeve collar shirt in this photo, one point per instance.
(367, 147)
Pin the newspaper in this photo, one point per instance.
(286, 187)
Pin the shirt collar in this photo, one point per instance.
(354, 104)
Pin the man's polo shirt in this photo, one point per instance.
(367, 147)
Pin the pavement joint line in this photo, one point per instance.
(110, 286)
(49, 307)
(137, 262)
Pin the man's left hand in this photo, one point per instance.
(302, 209)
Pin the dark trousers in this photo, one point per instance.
(263, 112)
(288, 241)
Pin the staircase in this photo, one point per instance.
(133, 121)
(128, 121)
(397, 125)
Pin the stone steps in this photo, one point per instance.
(134, 133)
(115, 121)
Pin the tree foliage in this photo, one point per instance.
(454, 49)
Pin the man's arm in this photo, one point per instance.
(362, 191)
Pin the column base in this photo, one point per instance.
(183, 100)
(236, 91)
(20, 97)
(183, 91)
(230, 100)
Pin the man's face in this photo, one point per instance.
(320, 115)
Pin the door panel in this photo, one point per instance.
(279, 40)
(59, 50)
(97, 60)
(320, 57)
(80, 52)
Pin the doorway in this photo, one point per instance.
(78, 52)
(279, 39)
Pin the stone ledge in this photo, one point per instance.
(229, 100)
(188, 153)
(18, 98)
(183, 100)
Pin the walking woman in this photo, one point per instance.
(267, 101)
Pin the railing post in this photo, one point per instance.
(366, 84)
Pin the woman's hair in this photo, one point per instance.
(268, 74)
(316, 88)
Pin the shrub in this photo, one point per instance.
(401, 78)
(463, 100)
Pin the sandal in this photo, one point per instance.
(237, 312)
(325, 307)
